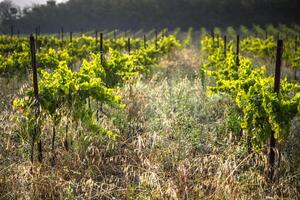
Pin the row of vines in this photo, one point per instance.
(266, 104)
(73, 80)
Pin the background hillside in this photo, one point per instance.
(76, 15)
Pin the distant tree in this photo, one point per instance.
(8, 13)
(51, 3)
(8, 10)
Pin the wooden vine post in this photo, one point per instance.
(237, 62)
(276, 90)
(66, 143)
(129, 49)
(128, 45)
(237, 49)
(71, 35)
(145, 42)
(101, 48)
(62, 37)
(53, 141)
(101, 62)
(213, 38)
(34, 133)
(296, 49)
(225, 46)
(296, 43)
(156, 45)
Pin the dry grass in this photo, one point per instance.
(175, 143)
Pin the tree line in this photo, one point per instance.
(76, 15)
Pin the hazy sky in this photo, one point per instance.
(23, 3)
